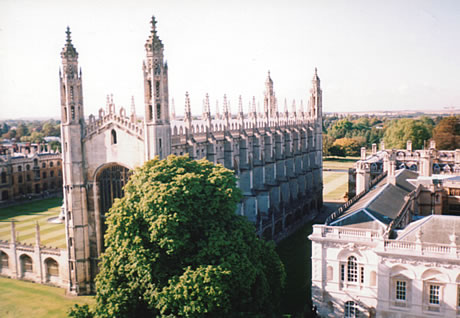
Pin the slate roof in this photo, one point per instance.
(378, 207)
(432, 229)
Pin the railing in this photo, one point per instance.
(339, 232)
(422, 248)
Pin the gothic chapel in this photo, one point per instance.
(276, 156)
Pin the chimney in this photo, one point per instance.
(382, 145)
(432, 144)
(374, 149)
(391, 177)
(426, 164)
(363, 153)
(409, 145)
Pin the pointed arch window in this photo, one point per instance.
(158, 111)
(114, 137)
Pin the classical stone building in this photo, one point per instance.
(29, 170)
(277, 156)
(393, 250)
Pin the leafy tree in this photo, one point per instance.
(341, 128)
(447, 133)
(349, 146)
(50, 129)
(10, 134)
(22, 130)
(327, 144)
(175, 247)
(35, 137)
(55, 145)
(402, 130)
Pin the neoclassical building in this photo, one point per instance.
(394, 249)
(276, 156)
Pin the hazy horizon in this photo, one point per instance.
(371, 55)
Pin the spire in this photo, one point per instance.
(133, 110)
(153, 22)
(285, 107)
(188, 110)
(207, 108)
(68, 50)
(173, 109)
(269, 79)
(225, 109)
(217, 110)
(293, 108)
(153, 42)
(133, 106)
(240, 105)
(254, 108)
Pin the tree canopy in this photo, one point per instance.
(447, 133)
(401, 130)
(175, 247)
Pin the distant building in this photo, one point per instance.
(394, 250)
(29, 170)
(446, 162)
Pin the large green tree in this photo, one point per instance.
(447, 133)
(402, 130)
(175, 247)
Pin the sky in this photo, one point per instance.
(370, 55)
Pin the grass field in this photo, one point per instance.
(335, 185)
(337, 163)
(27, 215)
(25, 299)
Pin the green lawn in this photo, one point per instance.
(336, 163)
(335, 185)
(26, 215)
(25, 299)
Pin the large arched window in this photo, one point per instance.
(352, 269)
(114, 137)
(26, 264)
(52, 269)
(351, 309)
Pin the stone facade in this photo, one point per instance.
(393, 250)
(277, 156)
(31, 171)
(34, 262)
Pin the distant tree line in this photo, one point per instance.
(33, 131)
(345, 136)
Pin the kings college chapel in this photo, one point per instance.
(276, 156)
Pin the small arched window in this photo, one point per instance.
(352, 269)
(19, 168)
(114, 137)
(3, 177)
